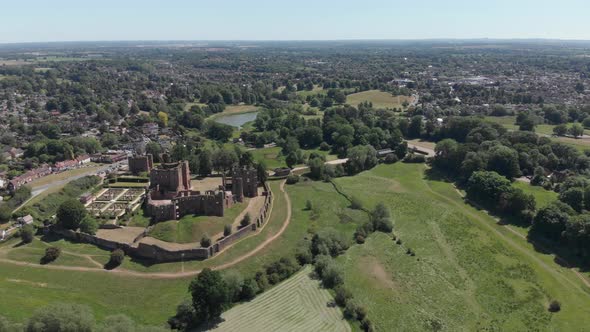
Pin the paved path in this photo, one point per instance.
(170, 275)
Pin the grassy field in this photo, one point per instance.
(544, 129)
(297, 304)
(235, 109)
(90, 169)
(542, 196)
(273, 159)
(469, 273)
(379, 99)
(190, 229)
(316, 90)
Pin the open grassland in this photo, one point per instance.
(380, 99)
(190, 229)
(297, 304)
(469, 273)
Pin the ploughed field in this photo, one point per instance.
(297, 304)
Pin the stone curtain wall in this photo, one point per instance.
(160, 255)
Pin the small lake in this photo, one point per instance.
(237, 120)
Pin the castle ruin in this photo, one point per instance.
(170, 196)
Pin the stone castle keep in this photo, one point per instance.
(139, 164)
(170, 196)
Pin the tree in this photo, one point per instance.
(163, 117)
(154, 149)
(329, 242)
(576, 130)
(210, 295)
(560, 130)
(70, 214)
(249, 289)
(5, 213)
(61, 317)
(573, 197)
(416, 127)
(261, 171)
(551, 220)
(27, 233)
(504, 160)
(223, 160)
(88, 225)
(234, 282)
(205, 163)
(487, 187)
(381, 218)
(360, 158)
(316, 168)
(527, 124)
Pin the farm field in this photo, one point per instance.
(380, 99)
(297, 304)
(467, 272)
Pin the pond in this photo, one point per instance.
(237, 120)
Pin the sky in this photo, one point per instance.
(83, 20)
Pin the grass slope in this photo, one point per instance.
(297, 304)
(542, 195)
(468, 273)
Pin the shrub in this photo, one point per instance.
(414, 158)
(62, 317)
(350, 310)
(292, 179)
(226, 230)
(361, 312)
(332, 275)
(303, 254)
(27, 233)
(261, 281)
(554, 306)
(246, 220)
(367, 325)
(391, 158)
(360, 239)
(356, 203)
(88, 225)
(308, 205)
(328, 242)
(249, 289)
(205, 241)
(117, 257)
(342, 295)
(51, 254)
(324, 146)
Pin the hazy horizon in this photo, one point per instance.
(263, 20)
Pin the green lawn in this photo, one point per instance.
(380, 99)
(469, 273)
(542, 196)
(190, 229)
